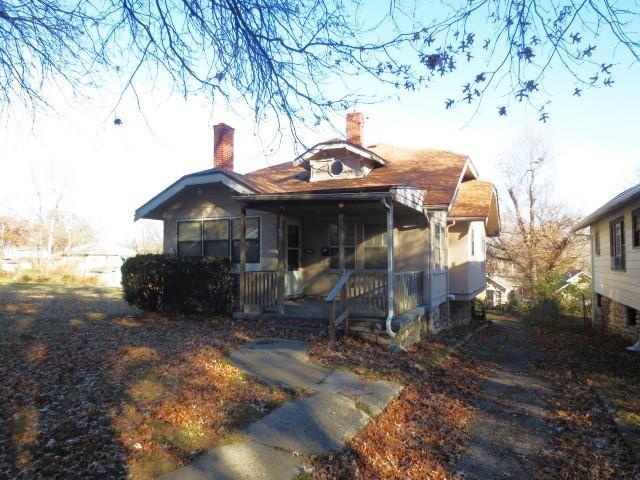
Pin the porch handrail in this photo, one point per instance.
(340, 288)
(335, 291)
(408, 291)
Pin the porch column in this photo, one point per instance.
(341, 238)
(391, 278)
(243, 255)
(343, 268)
(282, 257)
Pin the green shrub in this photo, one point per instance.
(168, 283)
(545, 311)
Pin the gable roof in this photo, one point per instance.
(435, 171)
(233, 180)
(473, 200)
(615, 203)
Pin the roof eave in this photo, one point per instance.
(207, 177)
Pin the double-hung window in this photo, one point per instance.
(375, 246)
(439, 251)
(616, 238)
(596, 243)
(190, 238)
(635, 216)
(349, 246)
(219, 238)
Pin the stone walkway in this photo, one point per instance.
(275, 447)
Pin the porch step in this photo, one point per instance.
(300, 328)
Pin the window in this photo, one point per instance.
(190, 238)
(349, 246)
(439, 248)
(635, 215)
(219, 238)
(632, 317)
(216, 238)
(336, 168)
(598, 300)
(375, 246)
(616, 229)
(596, 243)
(293, 247)
(253, 240)
(473, 242)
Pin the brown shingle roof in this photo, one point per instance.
(435, 171)
(473, 200)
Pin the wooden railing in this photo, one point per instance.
(407, 293)
(367, 293)
(339, 289)
(261, 289)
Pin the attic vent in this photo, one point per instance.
(336, 168)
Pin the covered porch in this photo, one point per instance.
(341, 256)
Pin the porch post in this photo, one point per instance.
(282, 258)
(342, 261)
(391, 278)
(243, 255)
(341, 238)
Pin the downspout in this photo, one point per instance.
(390, 268)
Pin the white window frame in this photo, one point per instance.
(354, 246)
(229, 219)
(364, 248)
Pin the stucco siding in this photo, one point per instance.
(623, 286)
(467, 262)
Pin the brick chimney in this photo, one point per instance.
(223, 146)
(355, 125)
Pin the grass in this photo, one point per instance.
(89, 386)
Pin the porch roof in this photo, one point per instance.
(410, 198)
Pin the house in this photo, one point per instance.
(100, 260)
(615, 262)
(498, 292)
(580, 279)
(397, 233)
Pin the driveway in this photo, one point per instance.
(512, 437)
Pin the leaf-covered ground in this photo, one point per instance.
(583, 359)
(422, 433)
(90, 391)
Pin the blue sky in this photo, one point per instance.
(111, 170)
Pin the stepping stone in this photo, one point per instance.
(283, 363)
(310, 426)
(240, 461)
(375, 394)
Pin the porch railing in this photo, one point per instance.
(408, 291)
(261, 289)
(367, 293)
(339, 290)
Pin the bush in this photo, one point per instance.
(168, 283)
(544, 312)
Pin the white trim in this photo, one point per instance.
(250, 265)
(340, 144)
(355, 246)
(188, 181)
(468, 164)
(610, 207)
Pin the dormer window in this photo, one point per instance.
(336, 168)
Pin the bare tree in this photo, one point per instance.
(537, 237)
(295, 58)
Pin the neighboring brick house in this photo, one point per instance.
(400, 232)
(615, 256)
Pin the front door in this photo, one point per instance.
(293, 279)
